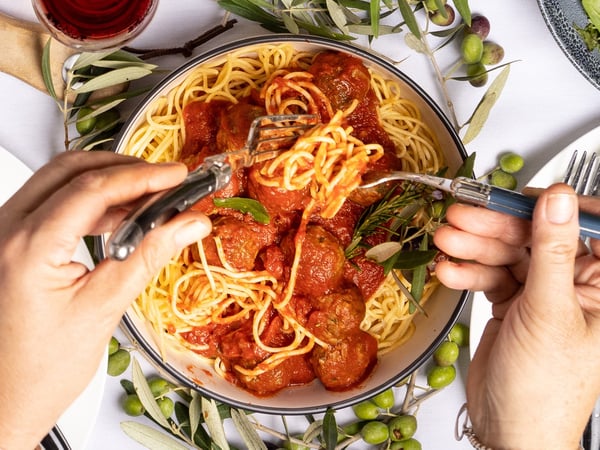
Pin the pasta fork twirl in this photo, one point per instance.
(267, 136)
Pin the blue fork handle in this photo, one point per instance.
(513, 203)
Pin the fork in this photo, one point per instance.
(578, 175)
(266, 137)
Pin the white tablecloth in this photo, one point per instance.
(546, 104)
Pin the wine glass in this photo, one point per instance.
(94, 25)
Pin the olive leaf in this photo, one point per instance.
(143, 391)
(330, 431)
(213, 421)
(96, 112)
(419, 276)
(337, 14)
(195, 412)
(488, 100)
(462, 6)
(112, 78)
(375, 15)
(592, 9)
(88, 58)
(151, 437)
(409, 18)
(247, 430)
(47, 72)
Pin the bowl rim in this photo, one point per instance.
(358, 394)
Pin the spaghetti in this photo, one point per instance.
(276, 305)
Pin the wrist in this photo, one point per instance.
(497, 438)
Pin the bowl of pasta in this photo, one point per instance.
(310, 292)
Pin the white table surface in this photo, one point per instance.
(546, 104)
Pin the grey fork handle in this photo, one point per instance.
(513, 203)
(163, 206)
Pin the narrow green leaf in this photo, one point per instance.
(466, 168)
(99, 110)
(290, 23)
(330, 431)
(481, 113)
(247, 430)
(113, 78)
(462, 6)
(213, 422)
(195, 412)
(47, 72)
(145, 394)
(411, 259)
(409, 18)
(592, 9)
(88, 58)
(109, 64)
(337, 14)
(414, 43)
(151, 437)
(375, 13)
(417, 284)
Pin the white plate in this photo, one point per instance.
(552, 172)
(77, 421)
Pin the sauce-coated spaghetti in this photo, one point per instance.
(279, 304)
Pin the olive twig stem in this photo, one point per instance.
(410, 388)
(418, 400)
(441, 80)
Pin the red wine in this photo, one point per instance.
(95, 19)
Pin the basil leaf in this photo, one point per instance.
(246, 206)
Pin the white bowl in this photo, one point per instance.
(442, 309)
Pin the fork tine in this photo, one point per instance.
(583, 174)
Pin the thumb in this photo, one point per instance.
(122, 281)
(555, 240)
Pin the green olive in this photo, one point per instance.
(166, 406)
(407, 444)
(492, 53)
(159, 386)
(375, 432)
(292, 445)
(385, 399)
(85, 124)
(118, 362)
(477, 74)
(446, 354)
(511, 162)
(503, 179)
(459, 333)
(402, 427)
(443, 19)
(441, 376)
(132, 405)
(107, 120)
(471, 49)
(113, 345)
(366, 410)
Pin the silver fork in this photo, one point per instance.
(583, 175)
(266, 137)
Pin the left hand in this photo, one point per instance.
(56, 315)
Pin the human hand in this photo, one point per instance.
(532, 383)
(57, 316)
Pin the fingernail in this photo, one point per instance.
(560, 208)
(190, 232)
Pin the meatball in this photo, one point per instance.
(347, 363)
(321, 266)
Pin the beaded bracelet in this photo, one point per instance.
(467, 431)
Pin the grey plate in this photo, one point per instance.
(560, 15)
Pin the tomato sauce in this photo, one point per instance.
(330, 292)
